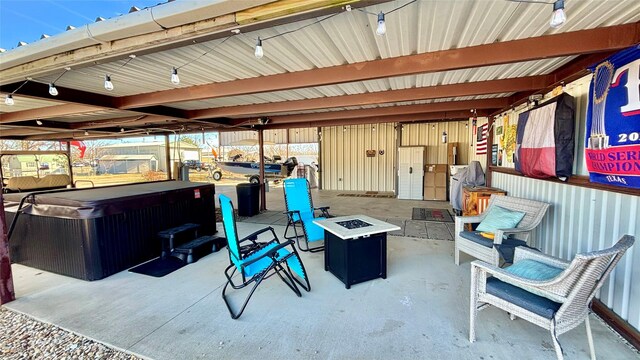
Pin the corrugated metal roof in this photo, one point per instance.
(349, 38)
(25, 103)
(96, 115)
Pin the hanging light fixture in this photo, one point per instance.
(259, 52)
(52, 90)
(444, 137)
(175, 79)
(39, 122)
(8, 100)
(558, 18)
(107, 83)
(382, 27)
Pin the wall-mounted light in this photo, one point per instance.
(444, 137)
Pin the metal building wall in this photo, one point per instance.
(279, 136)
(303, 136)
(344, 163)
(581, 220)
(430, 135)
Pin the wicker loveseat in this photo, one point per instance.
(487, 250)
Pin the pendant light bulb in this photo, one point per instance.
(107, 83)
(558, 18)
(52, 90)
(9, 100)
(175, 79)
(259, 52)
(382, 27)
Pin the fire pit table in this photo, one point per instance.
(355, 247)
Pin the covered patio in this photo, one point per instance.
(419, 312)
(324, 72)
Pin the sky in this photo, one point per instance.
(27, 20)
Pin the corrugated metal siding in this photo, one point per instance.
(279, 136)
(472, 154)
(345, 165)
(430, 135)
(303, 136)
(581, 220)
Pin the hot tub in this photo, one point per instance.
(90, 234)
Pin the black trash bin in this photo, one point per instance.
(248, 199)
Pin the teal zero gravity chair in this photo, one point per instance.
(300, 210)
(257, 261)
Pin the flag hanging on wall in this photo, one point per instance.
(481, 145)
(612, 141)
(545, 139)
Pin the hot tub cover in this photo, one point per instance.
(97, 202)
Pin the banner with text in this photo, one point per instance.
(612, 141)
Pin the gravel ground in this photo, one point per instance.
(24, 338)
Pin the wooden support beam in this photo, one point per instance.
(535, 48)
(381, 97)
(441, 108)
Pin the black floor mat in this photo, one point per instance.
(431, 215)
(159, 267)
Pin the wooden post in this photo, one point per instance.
(167, 154)
(263, 196)
(7, 292)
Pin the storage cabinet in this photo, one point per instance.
(411, 172)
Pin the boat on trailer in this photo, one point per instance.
(250, 169)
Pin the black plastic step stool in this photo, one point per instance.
(198, 248)
(168, 237)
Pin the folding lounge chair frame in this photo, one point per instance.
(257, 261)
(300, 211)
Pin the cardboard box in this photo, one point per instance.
(435, 193)
(435, 175)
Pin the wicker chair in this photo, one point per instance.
(559, 303)
(487, 250)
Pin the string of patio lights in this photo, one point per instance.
(558, 18)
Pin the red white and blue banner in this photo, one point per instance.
(612, 145)
(545, 139)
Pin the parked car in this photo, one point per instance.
(195, 165)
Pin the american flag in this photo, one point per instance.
(481, 145)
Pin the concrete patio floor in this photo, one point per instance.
(420, 311)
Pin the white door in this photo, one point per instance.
(410, 172)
